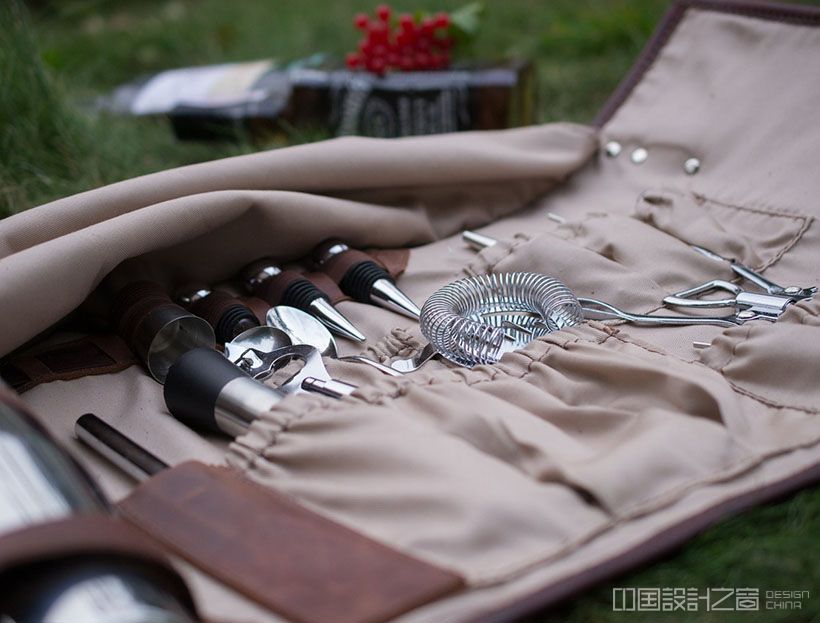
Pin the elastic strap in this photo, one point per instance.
(88, 356)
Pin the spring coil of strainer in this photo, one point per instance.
(476, 320)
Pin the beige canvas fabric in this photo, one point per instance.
(585, 448)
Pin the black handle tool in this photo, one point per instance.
(362, 278)
(269, 282)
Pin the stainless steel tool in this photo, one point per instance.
(118, 449)
(796, 293)
(747, 305)
(268, 281)
(600, 310)
(303, 328)
(263, 350)
(476, 320)
(411, 364)
(259, 358)
(362, 278)
(155, 328)
(207, 391)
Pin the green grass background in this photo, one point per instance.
(55, 55)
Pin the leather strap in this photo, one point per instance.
(394, 261)
(282, 555)
(73, 536)
(91, 355)
(257, 306)
(273, 290)
(328, 286)
(337, 266)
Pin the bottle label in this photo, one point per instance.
(400, 105)
(214, 86)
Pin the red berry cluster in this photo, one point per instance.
(410, 45)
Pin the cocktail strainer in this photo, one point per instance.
(476, 320)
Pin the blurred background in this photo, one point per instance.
(58, 56)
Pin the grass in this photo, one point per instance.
(61, 53)
(70, 51)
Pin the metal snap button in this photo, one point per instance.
(613, 148)
(639, 155)
(691, 166)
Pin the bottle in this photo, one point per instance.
(256, 99)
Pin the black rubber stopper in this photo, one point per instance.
(193, 385)
(359, 279)
(301, 293)
(233, 321)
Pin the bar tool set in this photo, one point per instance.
(747, 305)
(467, 322)
(477, 320)
(223, 391)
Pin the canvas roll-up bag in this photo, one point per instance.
(456, 494)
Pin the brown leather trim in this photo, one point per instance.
(211, 308)
(82, 536)
(257, 306)
(328, 286)
(272, 290)
(650, 550)
(87, 356)
(790, 14)
(337, 266)
(282, 555)
(393, 260)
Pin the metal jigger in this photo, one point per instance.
(360, 277)
(157, 330)
(286, 287)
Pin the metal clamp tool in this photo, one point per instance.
(748, 305)
(260, 363)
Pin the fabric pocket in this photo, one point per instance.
(491, 470)
(668, 262)
(637, 427)
(776, 363)
(375, 463)
(756, 237)
(584, 271)
(257, 541)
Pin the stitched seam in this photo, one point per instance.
(737, 388)
(701, 199)
(789, 245)
(768, 401)
(773, 213)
